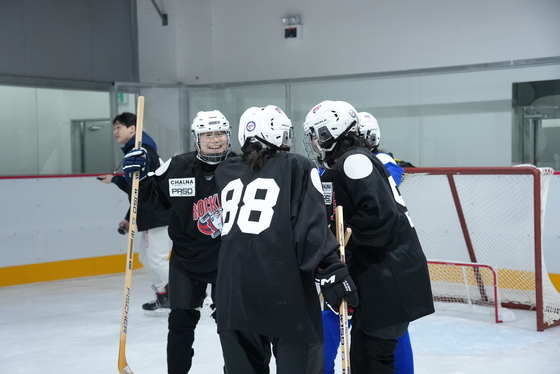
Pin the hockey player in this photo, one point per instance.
(367, 129)
(385, 257)
(274, 238)
(154, 244)
(186, 184)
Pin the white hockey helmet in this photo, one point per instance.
(325, 124)
(211, 122)
(268, 125)
(369, 128)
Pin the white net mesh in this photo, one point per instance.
(453, 282)
(499, 221)
(466, 283)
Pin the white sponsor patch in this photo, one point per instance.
(181, 187)
(327, 192)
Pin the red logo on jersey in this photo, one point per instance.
(211, 223)
(208, 213)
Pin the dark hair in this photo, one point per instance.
(255, 154)
(377, 150)
(126, 118)
(342, 145)
(370, 144)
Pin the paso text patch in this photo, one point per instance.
(181, 187)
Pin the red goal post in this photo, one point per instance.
(465, 283)
(492, 216)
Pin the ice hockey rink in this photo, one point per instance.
(72, 326)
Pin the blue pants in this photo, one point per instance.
(404, 363)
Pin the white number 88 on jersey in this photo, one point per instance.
(255, 215)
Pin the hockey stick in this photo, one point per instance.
(343, 311)
(123, 365)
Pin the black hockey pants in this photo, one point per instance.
(186, 295)
(248, 353)
(374, 352)
(180, 339)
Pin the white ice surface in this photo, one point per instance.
(73, 326)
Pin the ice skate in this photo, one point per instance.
(159, 306)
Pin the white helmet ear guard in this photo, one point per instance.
(211, 123)
(369, 128)
(325, 124)
(268, 125)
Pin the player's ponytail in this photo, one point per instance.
(342, 145)
(255, 154)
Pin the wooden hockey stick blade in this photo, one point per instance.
(343, 309)
(123, 365)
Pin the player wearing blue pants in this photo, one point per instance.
(404, 360)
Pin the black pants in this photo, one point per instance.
(247, 353)
(186, 296)
(374, 352)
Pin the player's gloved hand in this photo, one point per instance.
(135, 160)
(336, 284)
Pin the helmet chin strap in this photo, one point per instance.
(272, 147)
(331, 146)
(332, 141)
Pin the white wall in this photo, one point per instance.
(218, 41)
(157, 44)
(56, 219)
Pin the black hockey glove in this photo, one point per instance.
(135, 160)
(336, 285)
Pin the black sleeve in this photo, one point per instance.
(313, 239)
(150, 195)
(122, 184)
(373, 209)
(153, 158)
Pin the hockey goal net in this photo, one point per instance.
(467, 283)
(490, 216)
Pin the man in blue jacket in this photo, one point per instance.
(154, 244)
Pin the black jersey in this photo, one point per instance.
(186, 184)
(387, 262)
(274, 236)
